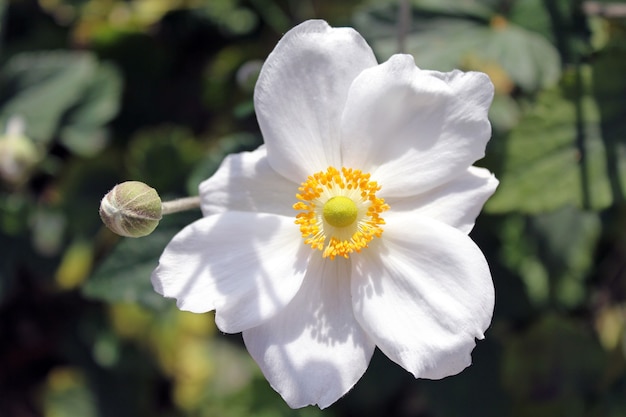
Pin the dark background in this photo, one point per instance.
(94, 92)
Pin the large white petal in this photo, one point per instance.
(423, 292)
(313, 351)
(456, 203)
(246, 182)
(245, 266)
(414, 129)
(300, 95)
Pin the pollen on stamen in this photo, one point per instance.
(341, 240)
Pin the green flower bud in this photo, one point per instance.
(131, 209)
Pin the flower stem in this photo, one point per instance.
(404, 23)
(182, 204)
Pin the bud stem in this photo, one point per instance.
(182, 204)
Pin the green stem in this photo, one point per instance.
(182, 204)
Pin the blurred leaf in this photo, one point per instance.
(124, 276)
(106, 350)
(67, 394)
(41, 86)
(531, 62)
(272, 14)
(552, 253)
(533, 15)
(473, 9)
(81, 186)
(130, 320)
(15, 210)
(446, 37)
(237, 20)
(543, 165)
(504, 113)
(220, 77)
(519, 254)
(559, 21)
(237, 142)
(569, 148)
(567, 243)
(609, 90)
(162, 156)
(53, 89)
(48, 230)
(83, 133)
(552, 368)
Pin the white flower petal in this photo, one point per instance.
(300, 95)
(246, 182)
(313, 351)
(412, 129)
(245, 266)
(456, 203)
(423, 292)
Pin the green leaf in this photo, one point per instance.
(162, 156)
(609, 90)
(41, 86)
(504, 113)
(237, 142)
(476, 9)
(533, 15)
(60, 92)
(569, 146)
(67, 393)
(552, 254)
(99, 103)
(567, 241)
(556, 156)
(518, 253)
(528, 58)
(446, 37)
(124, 276)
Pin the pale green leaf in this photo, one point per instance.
(446, 37)
(124, 276)
(555, 157)
(83, 133)
(41, 86)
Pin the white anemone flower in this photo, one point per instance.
(348, 229)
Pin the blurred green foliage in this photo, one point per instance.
(94, 92)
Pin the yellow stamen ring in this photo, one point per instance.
(339, 211)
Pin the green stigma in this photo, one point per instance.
(340, 211)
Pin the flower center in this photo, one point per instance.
(339, 212)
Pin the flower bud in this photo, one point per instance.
(131, 209)
(18, 153)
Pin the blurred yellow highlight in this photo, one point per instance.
(75, 265)
(610, 323)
